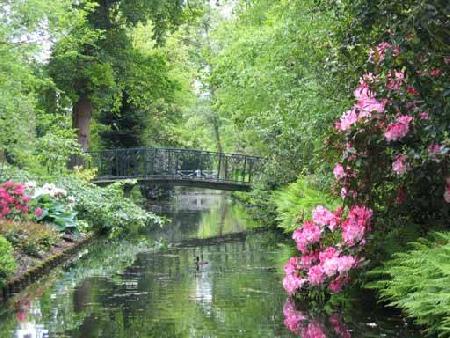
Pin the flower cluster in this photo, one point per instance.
(304, 326)
(390, 119)
(327, 265)
(13, 200)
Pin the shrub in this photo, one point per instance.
(105, 208)
(418, 280)
(31, 238)
(295, 202)
(7, 262)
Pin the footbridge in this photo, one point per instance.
(177, 167)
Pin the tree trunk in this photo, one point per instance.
(81, 119)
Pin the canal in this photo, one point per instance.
(210, 274)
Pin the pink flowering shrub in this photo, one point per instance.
(13, 200)
(394, 146)
(329, 245)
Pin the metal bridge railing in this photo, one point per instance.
(192, 164)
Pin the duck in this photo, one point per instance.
(199, 262)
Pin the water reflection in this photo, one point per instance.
(305, 326)
(219, 287)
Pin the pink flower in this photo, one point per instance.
(348, 119)
(291, 266)
(395, 80)
(356, 225)
(313, 330)
(291, 283)
(338, 171)
(378, 54)
(399, 129)
(308, 260)
(368, 104)
(345, 263)
(309, 233)
(412, 91)
(400, 165)
(435, 72)
(38, 212)
(434, 149)
(330, 266)
(323, 216)
(424, 115)
(316, 275)
(328, 253)
(337, 284)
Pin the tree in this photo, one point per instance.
(91, 63)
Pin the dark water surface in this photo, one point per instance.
(127, 289)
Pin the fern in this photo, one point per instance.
(418, 281)
(295, 202)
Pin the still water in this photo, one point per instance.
(207, 278)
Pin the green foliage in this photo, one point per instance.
(417, 281)
(7, 261)
(31, 238)
(271, 84)
(106, 209)
(57, 213)
(295, 202)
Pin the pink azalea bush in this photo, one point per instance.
(395, 148)
(327, 265)
(13, 200)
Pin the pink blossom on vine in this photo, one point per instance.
(338, 171)
(399, 166)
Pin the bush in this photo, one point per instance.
(418, 280)
(31, 238)
(106, 209)
(295, 202)
(7, 262)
